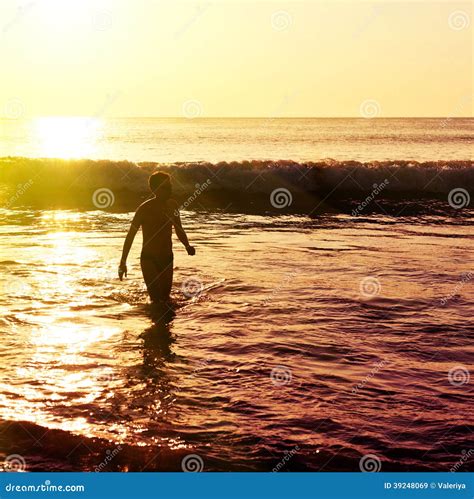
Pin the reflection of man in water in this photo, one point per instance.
(156, 217)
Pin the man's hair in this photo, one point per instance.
(160, 184)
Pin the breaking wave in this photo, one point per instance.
(241, 185)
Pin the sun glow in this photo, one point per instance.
(67, 137)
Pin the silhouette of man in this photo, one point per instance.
(156, 217)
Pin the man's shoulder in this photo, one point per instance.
(151, 206)
(140, 211)
(146, 205)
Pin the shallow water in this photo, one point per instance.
(313, 342)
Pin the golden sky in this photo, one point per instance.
(235, 58)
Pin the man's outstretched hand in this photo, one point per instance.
(122, 270)
(191, 250)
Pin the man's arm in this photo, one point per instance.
(135, 225)
(176, 219)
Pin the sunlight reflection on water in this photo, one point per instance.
(67, 137)
(81, 353)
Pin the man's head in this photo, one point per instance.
(160, 185)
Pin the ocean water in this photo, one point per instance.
(318, 331)
(213, 140)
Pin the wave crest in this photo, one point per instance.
(73, 182)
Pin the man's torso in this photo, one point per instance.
(155, 218)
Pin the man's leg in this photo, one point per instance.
(158, 279)
(165, 281)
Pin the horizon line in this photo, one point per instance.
(236, 117)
